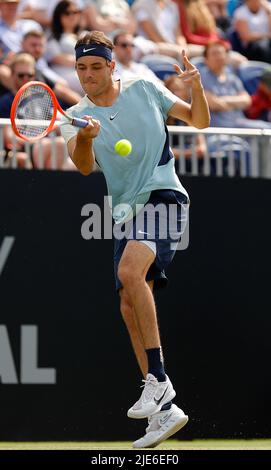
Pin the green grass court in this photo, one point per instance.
(204, 444)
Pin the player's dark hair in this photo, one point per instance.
(95, 37)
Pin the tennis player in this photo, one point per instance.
(136, 110)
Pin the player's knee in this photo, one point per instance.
(128, 275)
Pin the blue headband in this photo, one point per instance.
(93, 49)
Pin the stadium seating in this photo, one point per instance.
(161, 65)
(226, 145)
(250, 72)
(235, 40)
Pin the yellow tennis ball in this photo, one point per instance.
(123, 147)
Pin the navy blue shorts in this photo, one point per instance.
(161, 225)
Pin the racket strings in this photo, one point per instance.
(34, 111)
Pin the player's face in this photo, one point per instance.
(95, 74)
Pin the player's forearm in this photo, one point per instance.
(200, 115)
(83, 155)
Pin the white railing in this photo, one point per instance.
(36, 155)
(228, 152)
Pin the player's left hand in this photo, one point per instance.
(190, 76)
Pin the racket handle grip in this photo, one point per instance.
(77, 122)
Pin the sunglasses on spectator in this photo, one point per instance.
(72, 12)
(125, 45)
(23, 75)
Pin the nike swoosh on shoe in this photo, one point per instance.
(161, 398)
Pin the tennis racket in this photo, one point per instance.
(34, 112)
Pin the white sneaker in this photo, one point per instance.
(161, 426)
(155, 394)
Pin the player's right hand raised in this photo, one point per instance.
(91, 130)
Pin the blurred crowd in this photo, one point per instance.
(225, 39)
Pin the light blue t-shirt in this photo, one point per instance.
(138, 114)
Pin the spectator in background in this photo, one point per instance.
(22, 71)
(178, 88)
(5, 59)
(232, 5)
(252, 23)
(225, 93)
(109, 15)
(34, 43)
(197, 22)
(60, 46)
(260, 107)
(159, 22)
(35, 10)
(12, 29)
(41, 10)
(198, 26)
(218, 8)
(126, 67)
